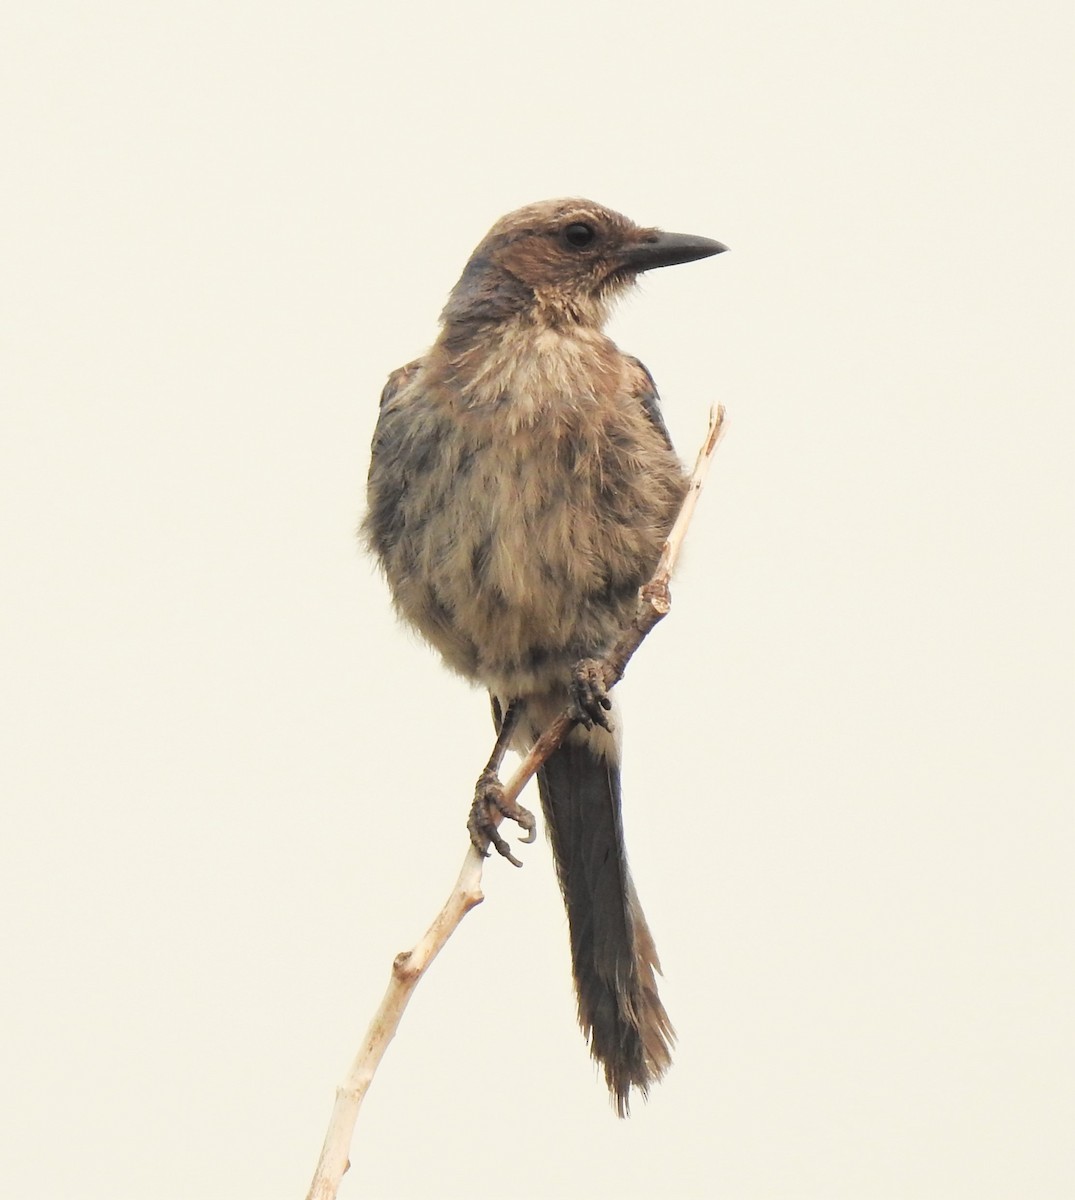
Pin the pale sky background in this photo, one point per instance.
(233, 788)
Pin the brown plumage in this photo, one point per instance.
(521, 486)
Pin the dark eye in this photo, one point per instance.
(579, 235)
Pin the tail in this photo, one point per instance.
(612, 952)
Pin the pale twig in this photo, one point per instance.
(410, 965)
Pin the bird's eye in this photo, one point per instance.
(578, 234)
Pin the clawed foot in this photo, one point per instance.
(489, 801)
(589, 695)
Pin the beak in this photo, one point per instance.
(668, 250)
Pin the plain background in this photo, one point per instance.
(233, 788)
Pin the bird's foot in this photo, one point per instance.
(489, 801)
(590, 698)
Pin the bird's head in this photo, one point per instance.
(563, 260)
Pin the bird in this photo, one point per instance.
(521, 484)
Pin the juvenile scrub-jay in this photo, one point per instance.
(521, 486)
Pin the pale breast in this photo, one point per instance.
(515, 532)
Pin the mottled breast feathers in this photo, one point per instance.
(516, 529)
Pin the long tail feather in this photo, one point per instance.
(612, 952)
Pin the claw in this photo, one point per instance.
(502, 848)
(489, 798)
(589, 694)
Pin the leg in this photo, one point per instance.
(489, 800)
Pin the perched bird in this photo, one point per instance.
(521, 486)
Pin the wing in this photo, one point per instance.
(386, 484)
(398, 378)
(650, 400)
(397, 381)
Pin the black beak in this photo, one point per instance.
(668, 250)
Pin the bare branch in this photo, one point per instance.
(410, 965)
